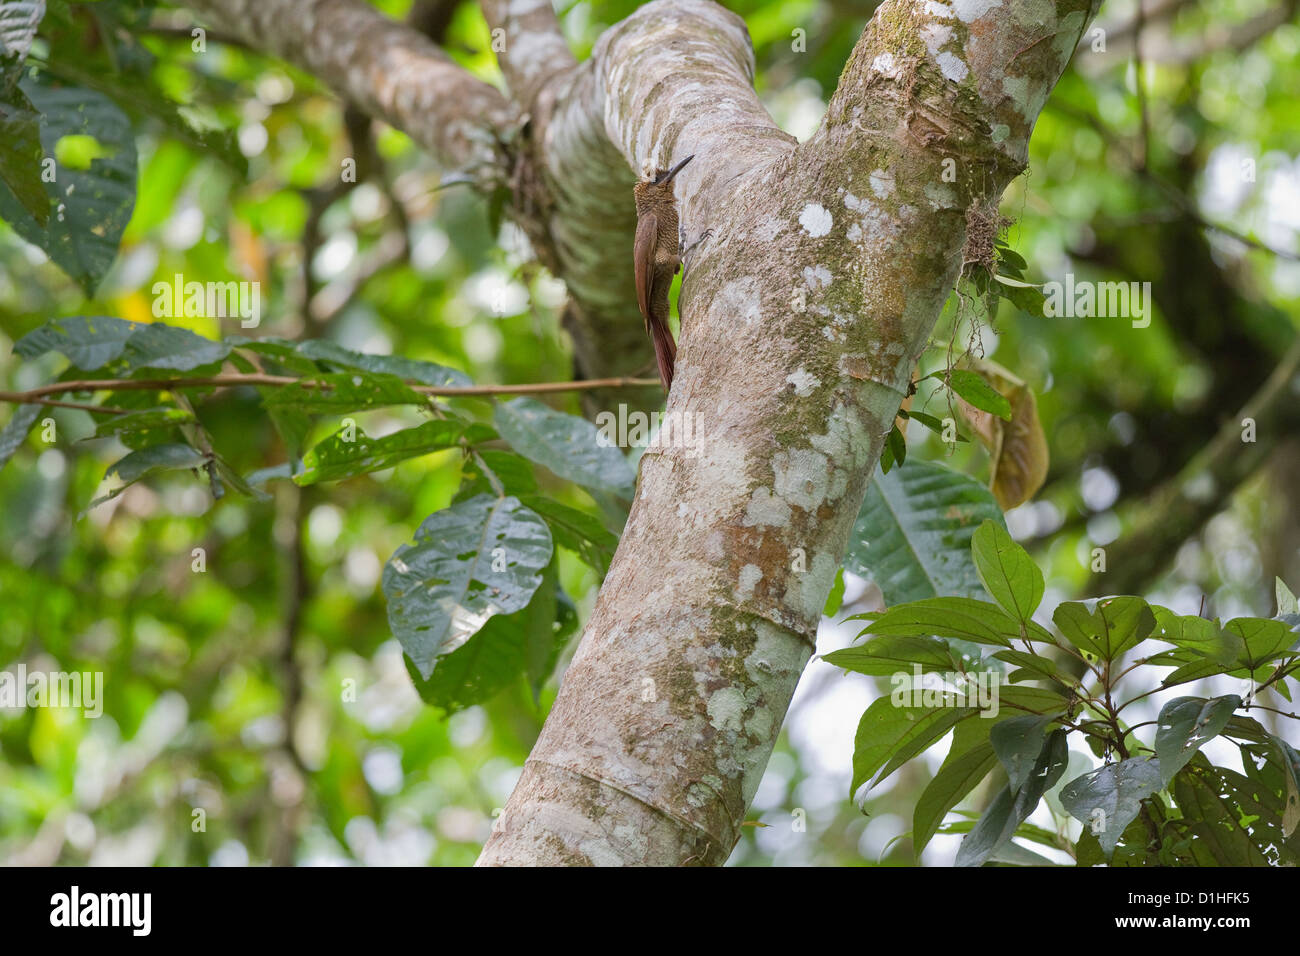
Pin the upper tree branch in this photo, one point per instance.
(386, 68)
(534, 50)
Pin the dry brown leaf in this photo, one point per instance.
(1017, 448)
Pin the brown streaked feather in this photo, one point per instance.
(643, 255)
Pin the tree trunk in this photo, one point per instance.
(803, 314)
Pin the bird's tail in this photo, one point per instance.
(665, 351)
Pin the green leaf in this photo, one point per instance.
(426, 373)
(1263, 640)
(895, 451)
(514, 472)
(1041, 666)
(1007, 570)
(972, 387)
(1036, 700)
(997, 825)
(913, 534)
(1116, 625)
(1107, 800)
(468, 562)
(1195, 670)
(507, 647)
(1184, 724)
(1018, 741)
(1211, 814)
(568, 446)
(551, 621)
(144, 420)
(969, 761)
(343, 392)
(963, 618)
(1201, 637)
(1287, 602)
(836, 597)
(103, 342)
(576, 530)
(336, 458)
(884, 656)
(89, 208)
(148, 461)
(892, 734)
(15, 431)
(1025, 297)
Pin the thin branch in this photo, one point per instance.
(235, 379)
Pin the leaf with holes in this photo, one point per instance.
(337, 458)
(468, 562)
(103, 342)
(1107, 800)
(1186, 723)
(90, 203)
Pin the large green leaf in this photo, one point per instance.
(427, 373)
(567, 445)
(336, 458)
(913, 533)
(1184, 724)
(1007, 570)
(1107, 800)
(1212, 815)
(470, 561)
(90, 207)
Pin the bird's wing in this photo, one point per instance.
(643, 255)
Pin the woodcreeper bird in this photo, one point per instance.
(656, 258)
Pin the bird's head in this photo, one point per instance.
(659, 179)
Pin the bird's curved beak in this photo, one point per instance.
(668, 176)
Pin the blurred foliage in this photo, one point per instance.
(285, 631)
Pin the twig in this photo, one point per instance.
(235, 379)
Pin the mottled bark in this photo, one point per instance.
(802, 318)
